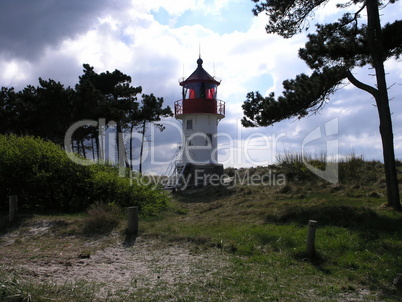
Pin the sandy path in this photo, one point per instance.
(146, 264)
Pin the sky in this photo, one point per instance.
(157, 42)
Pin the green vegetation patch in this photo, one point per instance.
(45, 179)
(250, 245)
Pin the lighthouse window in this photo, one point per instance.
(202, 90)
(189, 124)
(191, 94)
(211, 93)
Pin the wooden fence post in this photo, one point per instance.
(310, 250)
(13, 207)
(132, 220)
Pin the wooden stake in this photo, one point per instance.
(13, 207)
(132, 220)
(310, 250)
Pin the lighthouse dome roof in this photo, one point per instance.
(200, 75)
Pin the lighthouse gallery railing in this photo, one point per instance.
(188, 106)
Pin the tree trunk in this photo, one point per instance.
(118, 131)
(83, 149)
(93, 148)
(142, 144)
(131, 147)
(97, 143)
(382, 101)
(120, 146)
(77, 144)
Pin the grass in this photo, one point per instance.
(102, 218)
(261, 233)
(15, 290)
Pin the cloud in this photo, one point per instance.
(28, 27)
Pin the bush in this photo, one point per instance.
(44, 178)
(105, 185)
(40, 173)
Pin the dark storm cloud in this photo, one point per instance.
(27, 27)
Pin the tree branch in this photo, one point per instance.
(373, 91)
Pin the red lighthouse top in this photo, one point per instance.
(199, 94)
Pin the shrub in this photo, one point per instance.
(107, 186)
(40, 173)
(44, 178)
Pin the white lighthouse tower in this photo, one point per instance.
(200, 112)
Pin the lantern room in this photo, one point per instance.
(199, 93)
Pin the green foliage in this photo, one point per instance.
(331, 53)
(49, 109)
(117, 99)
(105, 185)
(151, 110)
(301, 95)
(44, 178)
(286, 17)
(40, 173)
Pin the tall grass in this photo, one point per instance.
(350, 167)
(102, 218)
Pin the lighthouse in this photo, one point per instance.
(199, 111)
